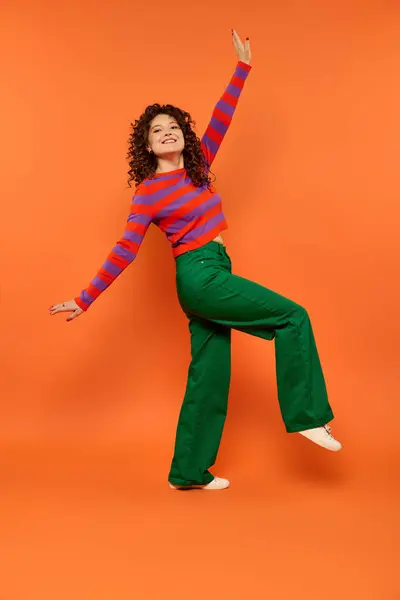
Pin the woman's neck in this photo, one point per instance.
(169, 164)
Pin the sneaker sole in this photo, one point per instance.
(196, 487)
(321, 445)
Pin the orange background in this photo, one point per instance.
(309, 176)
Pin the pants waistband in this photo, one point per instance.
(214, 247)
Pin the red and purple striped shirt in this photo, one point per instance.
(190, 216)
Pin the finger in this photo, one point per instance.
(236, 35)
(73, 316)
(233, 38)
(247, 49)
(54, 309)
(236, 39)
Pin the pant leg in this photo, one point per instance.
(203, 413)
(213, 293)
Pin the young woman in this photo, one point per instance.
(171, 167)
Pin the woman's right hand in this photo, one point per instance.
(70, 306)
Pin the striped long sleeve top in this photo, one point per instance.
(190, 216)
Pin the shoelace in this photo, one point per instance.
(328, 431)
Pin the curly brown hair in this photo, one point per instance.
(143, 164)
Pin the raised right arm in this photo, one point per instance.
(223, 112)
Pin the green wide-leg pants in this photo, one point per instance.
(216, 301)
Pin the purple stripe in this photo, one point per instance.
(233, 90)
(169, 209)
(211, 145)
(196, 212)
(198, 231)
(226, 108)
(218, 126)
(156, 196)
(124, 253)
(111, 268)
(139, 218)
(86, 298)
(241, 73)
(100, 284)
(133, 236)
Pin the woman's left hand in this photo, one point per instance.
(242, 49)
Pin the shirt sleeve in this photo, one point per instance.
(121, 255)
(223, 112)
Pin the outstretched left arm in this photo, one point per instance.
(223, 112)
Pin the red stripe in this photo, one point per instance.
(238, 81)
(118, 261)
(221, 116)
(105, 276)
(136, 227)
(129, 245)
(229, 99)
(93, 291)
(141, 209)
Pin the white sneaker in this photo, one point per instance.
(216, 484)
(322, 436)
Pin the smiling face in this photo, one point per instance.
(165, 136)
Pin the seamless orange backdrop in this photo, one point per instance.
(309, 178)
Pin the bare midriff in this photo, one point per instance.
(219, 240)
